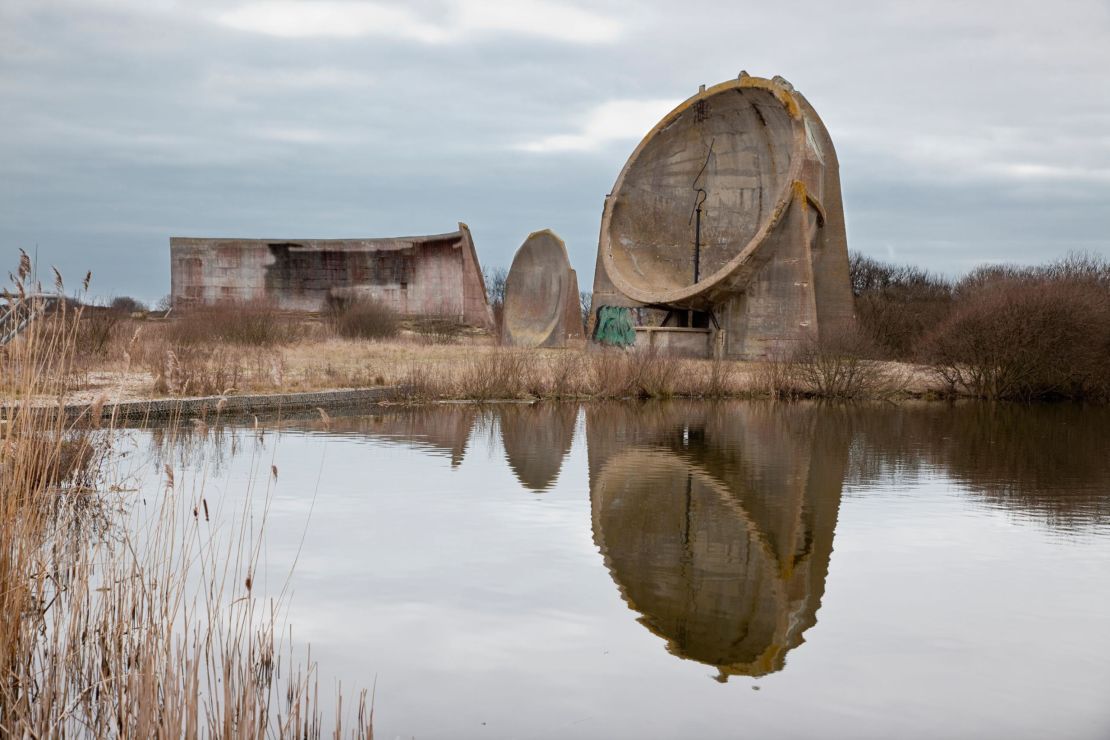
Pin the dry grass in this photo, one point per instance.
(111, 629)
(501, 374)
(241, 323)
(145, 359)
(470, 367)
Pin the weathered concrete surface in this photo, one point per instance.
(674, 341)
(770, 261)
(716, 523)
(416, 276)
(541, 295)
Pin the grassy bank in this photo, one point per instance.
(1013, 333)
(469, 368)
(253, 348)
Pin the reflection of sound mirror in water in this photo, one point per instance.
(452, 551)
(729, 575)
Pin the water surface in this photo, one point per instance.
(691, 569)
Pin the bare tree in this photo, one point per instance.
(585, 302)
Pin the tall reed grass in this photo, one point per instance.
(111, 629)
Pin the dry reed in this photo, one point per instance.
(111, 629)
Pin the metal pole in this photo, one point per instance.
(697, 243)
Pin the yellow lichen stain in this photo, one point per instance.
(784, 96)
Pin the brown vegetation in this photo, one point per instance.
(896, 305)
(1028, 333)
(1001, 332)
(110, 630)
(834, 368)
(243, 323)
(504, 374)
(362, 318)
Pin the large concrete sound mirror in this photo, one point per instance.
(728, 217)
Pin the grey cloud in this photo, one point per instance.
(965, 133)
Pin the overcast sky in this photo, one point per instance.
(967, 131)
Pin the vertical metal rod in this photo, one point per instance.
(697, 243)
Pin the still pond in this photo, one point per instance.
(681, 569)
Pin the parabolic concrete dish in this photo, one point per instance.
(731, 208)
(541, 295)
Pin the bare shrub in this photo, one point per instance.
(777, 378)
(565, 375)
(418, 385)
(497, 375)
(97, 328)
(835, 368)
(1028, 333)
(362, 318)
(712, 379)
(127, 305)
(495, 279)
(437, 329)
(249, 323)
(897, 304)
(633, 374)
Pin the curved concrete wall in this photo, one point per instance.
(541, 295)
(770, 257)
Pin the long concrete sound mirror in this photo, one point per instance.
(541, 306)
(728, 216)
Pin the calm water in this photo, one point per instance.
(691, 569)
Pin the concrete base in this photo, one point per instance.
(674, 341)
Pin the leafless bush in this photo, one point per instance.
(250, 323)
(712, 379)
(495, 279)
(777, 378)
(362, 318)
(497, 375)
(897, 304)
(97, 328)
(633, 374)
(564, 376)
(1028, 333)
(127, 305)
(437, 329)
(835, 368)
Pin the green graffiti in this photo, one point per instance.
(614, 326)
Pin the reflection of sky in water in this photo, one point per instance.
(946, 611)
